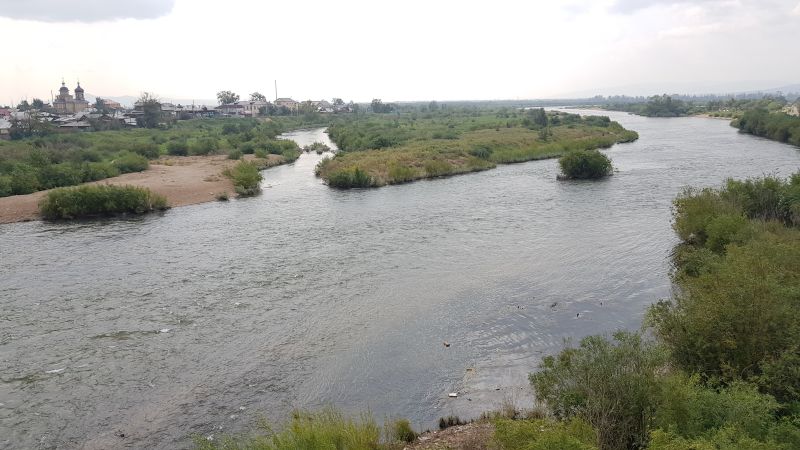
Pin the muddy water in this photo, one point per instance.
(140, 333)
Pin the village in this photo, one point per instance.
(70, 113)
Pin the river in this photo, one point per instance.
(139, 333)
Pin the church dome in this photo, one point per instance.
(79, 88)
(63, 88)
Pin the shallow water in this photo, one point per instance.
(204, 318)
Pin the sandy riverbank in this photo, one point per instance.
(182, 180)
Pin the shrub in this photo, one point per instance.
(235, 154)
(130, 162)
(93, 171)
(291, 155)
(57, 175)
(585, 164)
(260, 153)
(178, 148)
(24, 180)
(5, 186)
(247, 148)
(205, 146)
(99, 200)
(147, 149)
(609, 384)
(246, 178)
(401, 431)
(450, 421)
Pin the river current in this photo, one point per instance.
(144, 332)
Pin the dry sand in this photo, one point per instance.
(182, 180)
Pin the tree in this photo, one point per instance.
(150, 106)
(379, 107)
(338, 102)
(29, 125)
(255, 97)
(227, 97)
(100, 106)
(37, 103)
(433, 105)
(23, 106)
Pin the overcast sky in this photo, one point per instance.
(397, 50)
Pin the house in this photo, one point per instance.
(231, 110)
(794, 110)
(5, 113)
(5, 128)
(286, 102)
(252, 108)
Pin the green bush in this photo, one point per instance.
(178, 148)
(149, 150)
(585, 164)
(94, 171)
(205, 146)
(247, 148)
(400, 174)
(130, 162)
(260, 153)
(611, 384)
(24, 180)
(99, 200)
(57, 175)
(246, 178)
(5, 186)
(438, 167)
(400, 430)
(235, 154)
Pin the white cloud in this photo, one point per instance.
(84, 10)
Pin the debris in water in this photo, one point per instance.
(453, 394)
(554, 304)
(210, 437)
(446, 344)
(237, 303)
(56, 370)
(164, 330)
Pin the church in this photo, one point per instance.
(66, 104)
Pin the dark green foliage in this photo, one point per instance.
(585, 164)
(608, 383)
(99, 200)
(149, 150)
(5, 186)
(178, 147)
(400, 430)
(656, 106)
(205, 146)
(130, 162)
(774, 125)
(235, 154)
(247, 148)
(260, 153)
(450, 421)
(246, 178)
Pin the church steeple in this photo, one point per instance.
(79, 92)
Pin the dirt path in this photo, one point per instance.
(182, 180)
(472, 436)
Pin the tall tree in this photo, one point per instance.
(257, 96)
(151, 109)
(227, 97)
(37, 103)
(338, 102)
(23, 106)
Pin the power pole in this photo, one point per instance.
(276, 90)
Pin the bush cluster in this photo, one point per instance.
(246, 178)
(99, 200)
(585, 164)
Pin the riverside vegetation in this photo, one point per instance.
(715, 367)
(584, 165)
(59, 160)
(386, 149)
(99, 200)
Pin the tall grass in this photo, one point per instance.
(99, 200)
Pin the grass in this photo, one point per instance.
(388, 150)
(99, 200)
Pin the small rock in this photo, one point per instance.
(453, 394)
(446, 344)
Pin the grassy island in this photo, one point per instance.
(397, 148)
(99, 200)
(585, 165)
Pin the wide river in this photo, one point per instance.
(141, 333)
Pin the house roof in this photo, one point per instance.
(285, 100)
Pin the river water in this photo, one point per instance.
(140, 333)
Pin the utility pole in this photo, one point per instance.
(276, 90)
